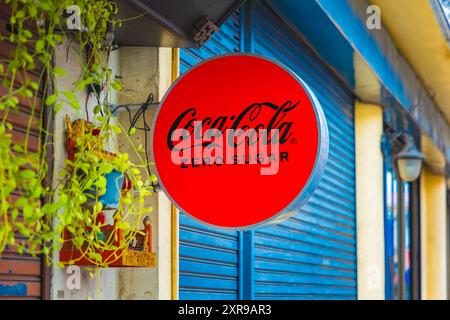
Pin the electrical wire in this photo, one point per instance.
(140, 113)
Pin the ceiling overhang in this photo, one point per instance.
(394, 73)
(171, 23)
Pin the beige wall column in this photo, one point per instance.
(369, 201)
(165, 206)
(144, 71)
(175, 212)
(63, 279)
(433, 235)
(74, 282)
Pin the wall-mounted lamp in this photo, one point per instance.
(409, 161)
(109, 33)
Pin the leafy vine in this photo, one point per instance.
(27, 223)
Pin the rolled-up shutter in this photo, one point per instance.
(313, 254)
(20, 275)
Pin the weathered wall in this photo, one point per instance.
(369, 201)
(145, 71)
(142, 71)
(93, 285)
(433, 235)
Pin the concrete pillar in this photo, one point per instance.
(175, 212)
(77, 283)
(433, 235)
(144, 71)
(369, 201)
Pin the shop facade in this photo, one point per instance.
(364, 234)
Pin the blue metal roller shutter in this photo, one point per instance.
(313, 254)
(209, 257)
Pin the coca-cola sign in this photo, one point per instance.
(239, 141)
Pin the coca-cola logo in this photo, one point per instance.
(238, 141)
(242, 138)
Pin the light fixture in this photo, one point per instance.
(109, 36)
(409, 161)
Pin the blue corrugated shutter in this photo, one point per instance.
(313, 254)
(209, 257)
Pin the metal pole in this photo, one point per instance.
(401, 240)
(415, 241)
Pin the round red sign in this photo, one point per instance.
(239, 141)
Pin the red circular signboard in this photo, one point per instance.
(239, 141)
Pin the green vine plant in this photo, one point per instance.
(34, 216)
